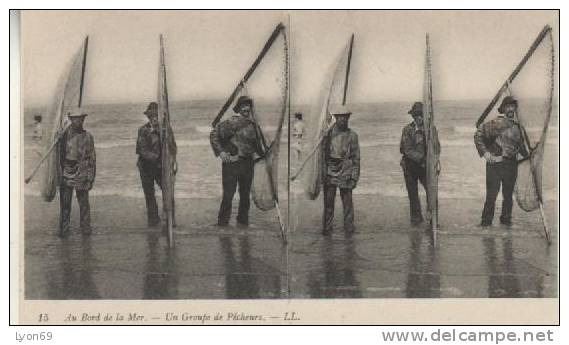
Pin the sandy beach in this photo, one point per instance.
(124, 259)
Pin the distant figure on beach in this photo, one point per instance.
(148, 149)
(235, 142)
(500, 141)
(78, 166)
(38, 128)
(298, 131)
(413, 147)
(342, 170)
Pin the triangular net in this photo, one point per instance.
(533, 88)
(320, 121)
(168, 144)
(66, 99)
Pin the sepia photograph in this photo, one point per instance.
(287, 161)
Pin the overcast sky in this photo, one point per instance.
(208, 52)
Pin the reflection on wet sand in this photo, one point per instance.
(503, 278)
(423, 278)
(212, 263)
(245, 276)
(75, 271)
(161, 276)
(336, 278)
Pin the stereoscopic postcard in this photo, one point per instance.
(285, 167)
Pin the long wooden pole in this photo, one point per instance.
(544, 132)
(526, 144)
(288, 200)
(347, 78)
(167, 174)
(250, 71)
(83, 71)
(514, 74)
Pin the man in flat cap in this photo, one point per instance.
(413, 147)
(500, 142)
(342, 169)
(149, 151)
(236, 143)
(78, 167)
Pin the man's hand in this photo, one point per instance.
(353, 183)
(492, 159)
(225, 157)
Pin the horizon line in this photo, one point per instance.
(221, 100)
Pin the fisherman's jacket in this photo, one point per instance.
(342, 158)
(78, 161)
(148, 147)
(236, 136)
(500, 137)
(413, 144)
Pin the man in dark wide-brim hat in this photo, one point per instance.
(341, 169)
(413, 147)
(500, 142)
(78, 167)
(149, 163)
(235, 142)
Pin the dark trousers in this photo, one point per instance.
(505, 174)
(329, 201)
(150, 173)
(65, 198)
(234, 174)
(414, 173)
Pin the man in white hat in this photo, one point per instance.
(78, 166)
(342, 169)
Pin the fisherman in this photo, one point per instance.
(413, 147)
(298, 133)
(236, 143)
(78, 166)
(38, 129)
(342, 170)
(500, 142)
(148, 149)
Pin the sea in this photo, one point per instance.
(379, 126)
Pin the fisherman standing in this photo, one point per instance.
(236, 143)
(38, 129)
(500, 141)
(78, 167)
(342, 170)
(149, 151)
(297, 134)
(413, 147)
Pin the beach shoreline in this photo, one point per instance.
(386, 258)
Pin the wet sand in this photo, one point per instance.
(124, 259)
